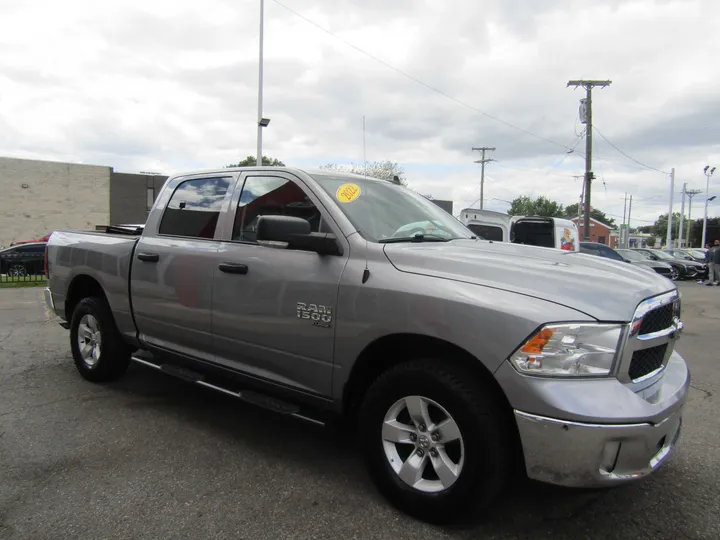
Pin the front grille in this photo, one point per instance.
(646, 361)
(656, 320)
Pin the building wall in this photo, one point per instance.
(55, 196)
(597, 230)
(129, 196)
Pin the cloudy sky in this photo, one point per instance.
(170, 86)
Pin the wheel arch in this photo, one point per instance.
(390, 350)
(82, 286)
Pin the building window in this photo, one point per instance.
(601, 239)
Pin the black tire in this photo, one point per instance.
(114, 356)
(483, 422)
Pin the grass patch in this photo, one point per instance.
(22, 283)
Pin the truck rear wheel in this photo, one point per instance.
(435, 440)
(98, 349)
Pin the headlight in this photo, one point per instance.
(569, 350)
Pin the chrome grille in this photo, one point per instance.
(650, 340)
(657, 319)
(645, 361)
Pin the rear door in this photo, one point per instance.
(487, 224)
(174, 262)
(274, 318)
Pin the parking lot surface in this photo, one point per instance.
(153, 457)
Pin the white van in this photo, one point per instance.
(541, 231)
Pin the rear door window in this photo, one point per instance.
(194, 208)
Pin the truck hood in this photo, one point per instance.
(601, 288)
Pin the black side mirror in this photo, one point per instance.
(627, 260)
(294, 233)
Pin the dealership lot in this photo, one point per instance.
(152, 457)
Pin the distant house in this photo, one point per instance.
(599, 232)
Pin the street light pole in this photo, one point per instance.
(708, 173)
(260, 86)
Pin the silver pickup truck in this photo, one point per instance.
(328, 296)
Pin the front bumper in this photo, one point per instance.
(595, 455)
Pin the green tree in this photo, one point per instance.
(251, 161)
(384, 170)
(572, 211)
(660, 227)
(542, 206)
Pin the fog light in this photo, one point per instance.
(608, 459)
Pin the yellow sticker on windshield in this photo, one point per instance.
(348, 193)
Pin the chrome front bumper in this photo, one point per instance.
(594, 455)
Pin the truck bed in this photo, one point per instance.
(102, 256)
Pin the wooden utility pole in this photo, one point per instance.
(588, 85)
(483, 161)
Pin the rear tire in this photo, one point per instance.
(479, 466)
(99, 351)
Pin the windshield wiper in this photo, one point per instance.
(415, 238)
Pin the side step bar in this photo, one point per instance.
(249, 396)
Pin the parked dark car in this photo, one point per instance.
(23, 259)
(687, 254)
(601, 250)
(687, 269)
(641, 259)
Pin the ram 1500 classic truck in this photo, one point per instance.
(330, 296)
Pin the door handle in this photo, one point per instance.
(233, 268)
(148, 257)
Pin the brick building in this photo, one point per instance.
(599, 232)
(37, 197)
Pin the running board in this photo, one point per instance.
(249, 396)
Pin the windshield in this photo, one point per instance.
(382, 211)
(632, 255)
(696, 254)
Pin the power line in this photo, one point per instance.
(415, 79)
(627, 156)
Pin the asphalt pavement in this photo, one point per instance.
(153, 457)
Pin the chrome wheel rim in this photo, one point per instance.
(89, 340)
(423, 444)
(674, 274)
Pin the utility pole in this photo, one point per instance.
(483, 161)
(690, 195)
(622, 229)
(668, 240)
(588, 85)
(682, 216)
(627, 242)
(708, 173)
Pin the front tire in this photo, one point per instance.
(436, 440)
(99, 351)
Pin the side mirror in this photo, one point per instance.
(294, 233)
(627, 260)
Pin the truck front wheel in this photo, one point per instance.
(98, 349)
(435, 440)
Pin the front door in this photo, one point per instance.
(273, 310)
(173, 266)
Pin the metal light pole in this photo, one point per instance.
(708, 173)
(260, 86)
(690, 195)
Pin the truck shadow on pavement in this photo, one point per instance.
(329, 455)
